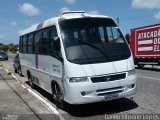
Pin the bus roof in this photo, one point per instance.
(52, 21)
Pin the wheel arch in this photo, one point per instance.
(53, 82)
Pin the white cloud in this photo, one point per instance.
(157, 16)
(93, 12)
(146, 4)
(13, 23)
(64, 9)
(2, 36)
(28, 9)
(71, 1)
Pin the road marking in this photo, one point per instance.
(17, 80)
(149, 78)
(6, 69)
(49, 106)
(23, 86)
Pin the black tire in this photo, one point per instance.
(30, 78)
(57, 97)
(140, 66)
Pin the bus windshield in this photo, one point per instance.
(93, 40)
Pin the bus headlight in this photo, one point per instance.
(131, 72)
(78, 79)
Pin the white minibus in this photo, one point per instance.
(78, 58)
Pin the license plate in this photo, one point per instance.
(111, 97)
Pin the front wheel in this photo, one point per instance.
(57, 97)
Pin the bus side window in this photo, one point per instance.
(25, 50)
(45, 42)
(53, 35)
(21, 45)
(30, 43)
(37, 42)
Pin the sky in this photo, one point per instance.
(17, 15)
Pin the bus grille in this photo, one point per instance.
(103, 92)
(108, 78)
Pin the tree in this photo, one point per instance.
(11, 47)
(1, 44)
(4, 47)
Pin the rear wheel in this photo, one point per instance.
(30, 78)
(57, 96)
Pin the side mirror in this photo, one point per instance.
(127, 38)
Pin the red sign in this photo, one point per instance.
(147, 41)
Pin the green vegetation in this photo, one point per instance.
(9, 48)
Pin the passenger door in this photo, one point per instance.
(52, 62)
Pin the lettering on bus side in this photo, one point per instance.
(56, 68)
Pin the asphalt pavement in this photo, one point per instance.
(145, 103)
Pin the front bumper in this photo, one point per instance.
(84, 93)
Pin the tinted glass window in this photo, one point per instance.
(53, 35)
(20, 45)
(37, 42)
(40, 42)
(91, 40)
(25, 44)
(30, 43)
(45, 42)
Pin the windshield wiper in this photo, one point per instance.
(95, 47)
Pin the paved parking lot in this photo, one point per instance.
(146, 101)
